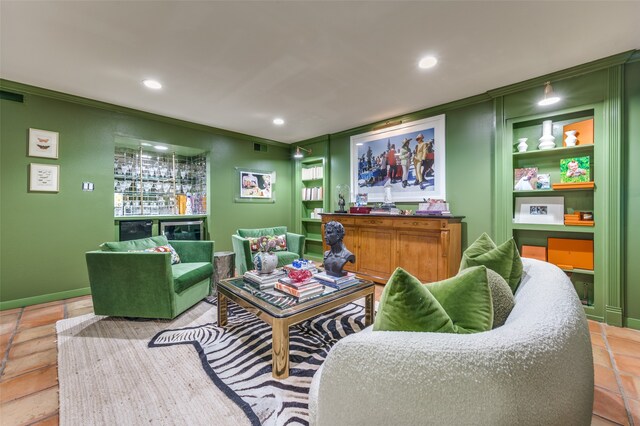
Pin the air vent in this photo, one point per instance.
(260, 147)
(10, 96)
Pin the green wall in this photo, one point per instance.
(44, 235)
(469, 159)
(631, 180)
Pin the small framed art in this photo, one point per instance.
(43, 143)
(546, 210)
(255, 185)
(44, 177)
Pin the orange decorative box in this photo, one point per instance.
(584, 131)
(535, 252)
(570, 254)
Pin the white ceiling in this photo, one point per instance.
(323, 66)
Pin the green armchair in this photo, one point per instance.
(127, 282)
(242, 247)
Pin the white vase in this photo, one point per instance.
(522, 146)
(265, 262)
(571, 138)
(547, 139)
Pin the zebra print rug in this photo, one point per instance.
(237, 358)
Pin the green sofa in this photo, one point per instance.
(242, 247)
(126, 282)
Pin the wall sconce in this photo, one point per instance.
(298, 154)
(549, 96)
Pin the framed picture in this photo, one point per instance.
(577, 169)
(549, 210)
(525, 179)
(44, 177)
(255, 185)
(43, 143)
(410, 157)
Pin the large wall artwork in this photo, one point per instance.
(409, 156)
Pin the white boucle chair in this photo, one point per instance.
(537, 369)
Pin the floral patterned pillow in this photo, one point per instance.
(161, 249)
(268, 243)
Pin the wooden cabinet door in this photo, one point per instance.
(376, 248)
(418, 254)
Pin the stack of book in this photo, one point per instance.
(303, 290)
(337, 282)
(264, 281)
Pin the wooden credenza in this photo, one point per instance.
(427, 247)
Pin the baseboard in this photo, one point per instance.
(632, 323)
(613, 316)
(44, 298)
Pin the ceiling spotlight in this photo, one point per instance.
(299, 154)
(550, 97)
(152, 84)
(428, 62)
(359, 144)
(278, 121)
(161, 148)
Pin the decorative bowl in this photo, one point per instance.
(300, 275)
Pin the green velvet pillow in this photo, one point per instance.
(467, 300)
(141, 244)
(504, 259)
(461, 304)
(407, 305)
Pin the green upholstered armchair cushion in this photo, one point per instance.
(466, 298)
(461, 304)
(407, 305)
(259, 232)
(187, 274)
(503, 259)
(140, 244)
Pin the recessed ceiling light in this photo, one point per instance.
(161, 148)
(152, 84)
(278, 121)
(428, 62)
(359, 144)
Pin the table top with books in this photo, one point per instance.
(284, 295)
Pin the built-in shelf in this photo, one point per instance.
(313, 201)
(579, 271)
(549, 191)
(314, 239)
(565, 150)
(311, 220)
(553, 228)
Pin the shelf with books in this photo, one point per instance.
(313, 199)
(533, 174)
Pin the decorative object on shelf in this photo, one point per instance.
(544, 210)
(574, 185)
(43, 143)
(388, 198)
(44, 177)
(522, 145)
(544, 181)
(569, 253)
(583, 129)
(433, 207)
(409, 156)
(547, 139)
(578, 218)
(550, 97)
(534, 252)
(362, 199)
(337, 255)
(525, 179)
(571, 138)
(360, 209)
(575, 169)
(343, 192)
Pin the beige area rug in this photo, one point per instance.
(109, 376)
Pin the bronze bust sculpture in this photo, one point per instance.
(337, 255)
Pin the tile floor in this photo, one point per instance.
(29, 371)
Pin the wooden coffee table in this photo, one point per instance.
(281, 311)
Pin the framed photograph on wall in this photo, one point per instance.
(44, 177)
(255, 185)
(43, 143)
(409, 156)
(547, 210)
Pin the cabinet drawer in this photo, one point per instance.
(342, 219)
(418, 224)
(375, 221)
